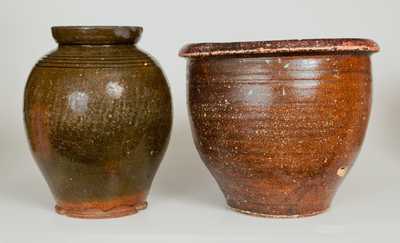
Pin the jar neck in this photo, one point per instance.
(96, 50)
(96, 35)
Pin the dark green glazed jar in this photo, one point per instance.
(98, 116)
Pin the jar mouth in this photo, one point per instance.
(280, 47)
(96, 35)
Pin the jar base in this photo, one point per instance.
(97, 213)
(283, 216)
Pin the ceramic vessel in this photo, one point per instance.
(279, 123)
(98, 118)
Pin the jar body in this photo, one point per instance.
(98, 118)
(279, 133)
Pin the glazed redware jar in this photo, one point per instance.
(279, 123)
(98, 118)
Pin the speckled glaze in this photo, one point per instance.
(279, 123)
(98, 118)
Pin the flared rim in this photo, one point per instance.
(332, 45)
(96, 35)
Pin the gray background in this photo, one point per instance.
(185, 203)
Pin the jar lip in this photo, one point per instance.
(96, 35)
(283, 47)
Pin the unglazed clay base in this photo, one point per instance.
(95, 213)
(277, 215)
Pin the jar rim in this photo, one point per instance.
(280, 47)
(96, 35)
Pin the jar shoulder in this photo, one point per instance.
(101, 56)
(121, 71)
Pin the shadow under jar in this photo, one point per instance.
(98, 117)
(279, 123)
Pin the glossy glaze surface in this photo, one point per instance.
(279, 133)
(98, 118)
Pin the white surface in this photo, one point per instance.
(185, 203)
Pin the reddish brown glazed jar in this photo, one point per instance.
(98, 116)
(279, 123)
